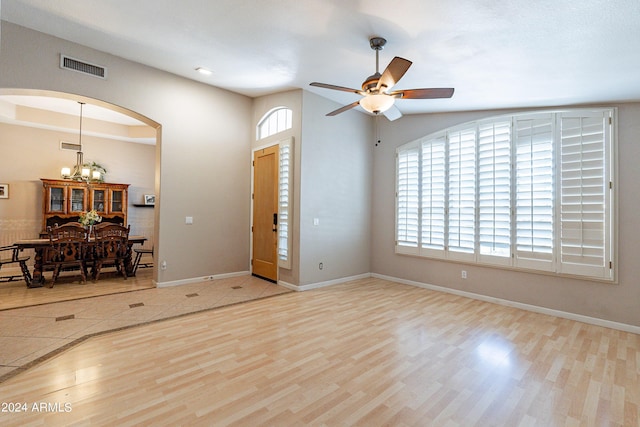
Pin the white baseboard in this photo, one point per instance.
(201, 279)
(323, 284)
(534, 308)
(288, 285)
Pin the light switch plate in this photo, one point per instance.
(188, 220)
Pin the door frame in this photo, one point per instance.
(280, 142)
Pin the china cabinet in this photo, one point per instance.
(63, 201)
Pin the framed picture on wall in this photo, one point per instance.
(149, 199)
(4, 191)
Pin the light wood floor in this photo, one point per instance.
(30, 335)
(369, 352)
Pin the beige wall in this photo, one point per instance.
(29, 154)
(336, 156)
(614, 302)
(202, 167)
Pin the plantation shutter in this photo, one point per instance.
(494, 192)
(433, 196)
(533, 191)
(285, 179)
(407, 199)
(462, 194)
(534, 198)
(584, 194)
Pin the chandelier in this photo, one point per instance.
(81, 171)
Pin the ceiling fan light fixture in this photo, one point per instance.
(377, 103)
(376, 98)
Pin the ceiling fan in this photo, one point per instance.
(376, 97)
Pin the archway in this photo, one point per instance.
(25, 162)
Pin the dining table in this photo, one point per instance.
(39, 245)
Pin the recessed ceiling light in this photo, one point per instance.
(204, 71)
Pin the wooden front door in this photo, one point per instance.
(265, 213)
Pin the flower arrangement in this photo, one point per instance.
(89, 218)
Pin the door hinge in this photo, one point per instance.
(252, 196)
(610, 265)
(252, 228)
(610, 185)
(252, 261)
(610, 120)
(253, 163)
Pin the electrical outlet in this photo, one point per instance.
(464, 274)
(163, 266)
(321, 266)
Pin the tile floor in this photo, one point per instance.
(31, 334)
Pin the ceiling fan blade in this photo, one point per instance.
(392, 113)
(394, 72)
(343, 109)
(431, 93)
(334, 87)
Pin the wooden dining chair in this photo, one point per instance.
(13, 257)
(137, 262)
(111, 247)
(68, 247)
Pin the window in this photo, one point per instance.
(285, 177)
(433, 194)
(277, 120)
(461, 200)
(534, 191)
(494, 191)
(408, 197)
(530, 191)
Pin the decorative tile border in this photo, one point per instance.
(75, 342)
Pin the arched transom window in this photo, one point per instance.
(277, 120)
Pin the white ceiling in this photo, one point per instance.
(495, 53)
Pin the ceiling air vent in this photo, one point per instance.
(84, 67)
(72, 146)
